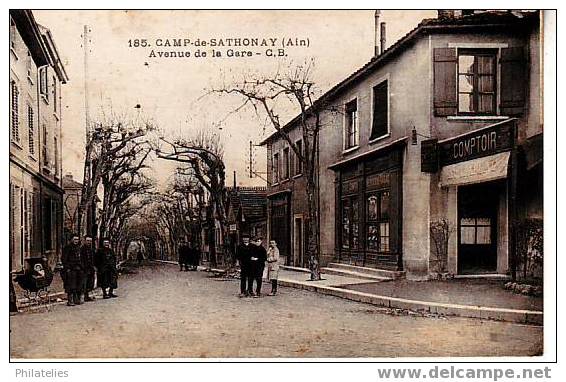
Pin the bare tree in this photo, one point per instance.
(266, 94)
(110, 139)
(203, 154)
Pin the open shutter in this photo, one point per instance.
(513, 81)
(445, 74)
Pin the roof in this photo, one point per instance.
(53, 54)
(492, 19)
(251, 202)
(29, 30)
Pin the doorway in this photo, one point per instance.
(478, 227)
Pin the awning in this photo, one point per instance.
(478, 170)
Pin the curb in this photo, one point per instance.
(487, 313)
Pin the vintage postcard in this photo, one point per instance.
(276, 184)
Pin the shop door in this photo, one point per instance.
(477, 228)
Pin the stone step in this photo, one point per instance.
(385, 273)
(354, 274)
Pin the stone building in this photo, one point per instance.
(36, 194)
(443, 126)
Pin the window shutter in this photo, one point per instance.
(380, 111)
(445, 74)
(513, 81)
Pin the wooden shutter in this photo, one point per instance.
(445, 89)
(513, 81)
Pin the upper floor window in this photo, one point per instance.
(351, 133)
(380, 126)
(479, 81)
(54, 94)
(45, 150)
(15, 112)
(476, 82)
(298, 161)
(286, 164)
(12, 34)
(31, 131)
(29, 69)
(56, 155)
(43, 85)
(275, 168)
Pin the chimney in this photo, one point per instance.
(382, 41)
(234, 180)
(376, 31)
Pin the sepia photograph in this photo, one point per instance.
(277, 184)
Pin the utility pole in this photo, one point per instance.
(88, 160)
(251, 164)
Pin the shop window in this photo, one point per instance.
(475, 231)
(350, 223)
(351, 128)
(377, 223)
(380, 125)
(476, 82)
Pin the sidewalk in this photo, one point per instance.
(465, 298)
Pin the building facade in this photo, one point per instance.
(36, 194)
(443, 127)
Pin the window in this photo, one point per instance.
(286, 164)
(475, 231)
(43, 82)
(31, 131)
(12, 34)
(380, 125)
(28, 67)
(55, 95)
(56, 155)
(377, 216)
(298, 161)
(275, 168)
(15, 112)
(44, 144)
(350, 223)
(351, 133)
(476, 82)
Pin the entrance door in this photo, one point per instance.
(477, 228)
(298, 244)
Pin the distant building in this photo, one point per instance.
(36, 194)
(444, 124)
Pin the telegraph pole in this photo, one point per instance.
(87, 165)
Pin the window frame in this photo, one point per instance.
(275, 168)
(15, 113)
(378, 221)
(286, 158)
(478, 52)
(374, 85)
(298, 163)
(348, 125)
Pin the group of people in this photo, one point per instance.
(189, 256)
(253, 257)
(80, 264)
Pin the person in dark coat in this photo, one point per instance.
(106, 266)
(184, 256)
(72, 272)
(257, 264)
(195, 257)
(87, 258)
(243, 254)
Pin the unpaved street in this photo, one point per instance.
(162, 312)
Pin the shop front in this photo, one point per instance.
(368, 212)
(477, 172)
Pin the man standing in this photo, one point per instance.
(107, 272)
(72, 272)
(87, 258)
(243, 254)
(257, 264)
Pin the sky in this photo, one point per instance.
(172, 91)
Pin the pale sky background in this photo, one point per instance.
(170, 90)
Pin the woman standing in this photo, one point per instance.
(273, 266)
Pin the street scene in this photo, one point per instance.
(253, 184)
